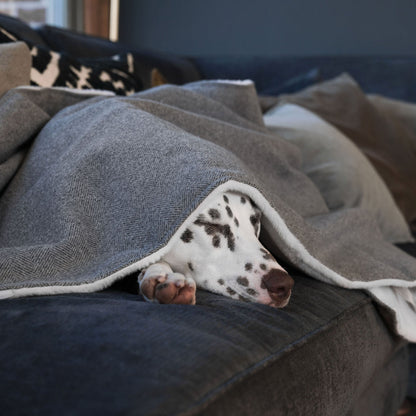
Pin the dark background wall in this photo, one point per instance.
(270, 27)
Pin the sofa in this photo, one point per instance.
(331, 351)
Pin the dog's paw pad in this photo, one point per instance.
(176, 289)
(172, 288)
(148, 285)
(185, 294)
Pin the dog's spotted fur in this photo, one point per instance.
(219, 252)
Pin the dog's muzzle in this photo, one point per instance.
(279, 285)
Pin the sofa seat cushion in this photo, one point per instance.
(111, 353)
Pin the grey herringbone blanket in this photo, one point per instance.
(93, 189)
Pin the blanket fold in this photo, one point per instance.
(109, 183)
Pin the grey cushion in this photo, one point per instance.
(15, 63)
(404, 112)
(411, 249)
(390, 147)
(344, 176)
(110, 353)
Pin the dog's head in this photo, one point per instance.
(222, 253)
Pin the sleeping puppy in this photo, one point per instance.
(219, 252)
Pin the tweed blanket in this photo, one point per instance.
(93, 188)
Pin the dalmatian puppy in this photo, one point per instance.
(220, 252)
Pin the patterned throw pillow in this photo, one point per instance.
(55, 69)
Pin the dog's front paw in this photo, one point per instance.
(158, 283)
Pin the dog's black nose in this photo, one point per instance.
(279, 285)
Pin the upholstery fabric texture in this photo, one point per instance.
(111, 353)
(411, 249)
(389, 146)
(343, 175)
(13, 152)
(401, 110)
(15, 63)
(392, 76)
(295, 83)
(411, 391)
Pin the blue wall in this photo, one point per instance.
(270, 27)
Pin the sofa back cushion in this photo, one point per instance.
(62, 57)
(21, 29)
(344, 176)
(386, 142)
(56, 69)
(389, 75)
(175, 69)
(15, 64)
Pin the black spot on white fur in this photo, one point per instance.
(266, 254)
(226, 199)
(187, 236)
(255, 221)
(248, 266)
(191, 267)
(230, 291)
(230, 237)
(217, 230)
(229, 212)
(214, 214)
(243, 200)
(243, 281)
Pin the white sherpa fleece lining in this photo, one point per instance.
(381, 289)
(235, 81)
(74, 91)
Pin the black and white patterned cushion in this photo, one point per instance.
(56, 69)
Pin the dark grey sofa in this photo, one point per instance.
(109, 353)
(329, 352)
